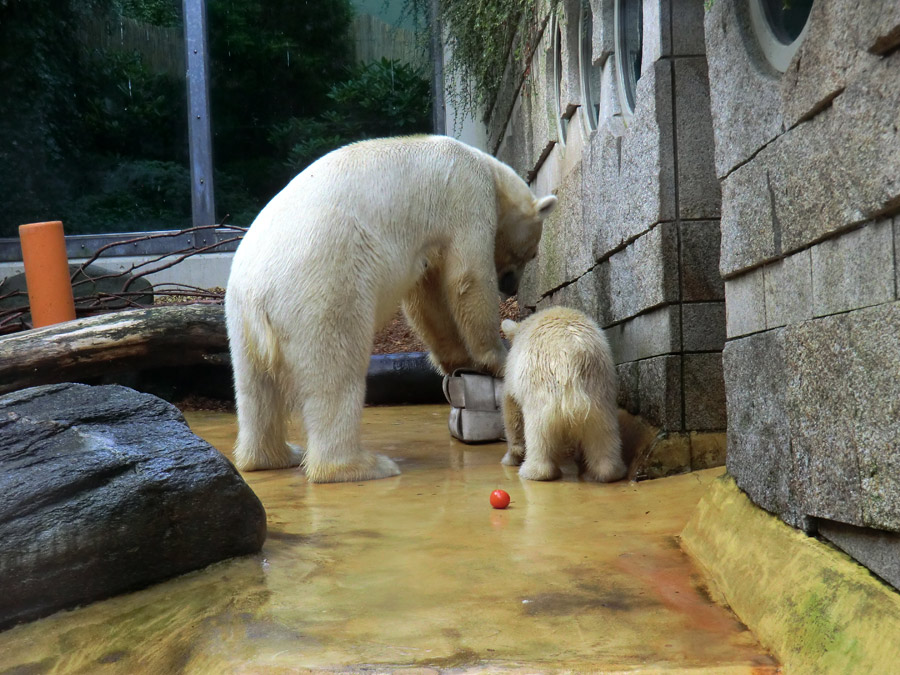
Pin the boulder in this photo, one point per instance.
(105, 490)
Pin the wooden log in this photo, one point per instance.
(138, 339)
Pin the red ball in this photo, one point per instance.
(499, 499)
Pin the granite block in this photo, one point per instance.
(745, 304)
(854, 270)
(704, 392)
(645, 273)
(750, 232)
(628, 395)
(699, 195)
(879, 33)
(651, 334)
(745, 97)
(659, 387)
(759, 436)
(703, 326)
(517, 147)
(604, 36)
(821, 406)
(875, 388)
(687, 28)
(700, 244)
(897, 258)
(788, 290)
(828, 58)
(818, 187)
(629, 180)
(876, 549)
(656, 38)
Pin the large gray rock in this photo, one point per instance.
(105, 490)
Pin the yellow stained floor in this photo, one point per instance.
(419, 572)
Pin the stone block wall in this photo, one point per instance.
(635, 241)
(809, 165)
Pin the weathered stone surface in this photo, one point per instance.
(104, 490)
(687, 27)
(577, 243)
(703, 326)
(651, 334)
(745, 96)
(745, 304)
(659, 387)
(879, 32)
(656, 36)
(645, 273)
(853, 270)
(707, 449)
(700, 244)
(828, 58)
(704, 392)
(803, 187)
(628, 397)
(750, 232)
(875, 345)
(540, 87)
(759, 435)
(517, 146)
(699, 195)
(788, 290)
(876, 549)
(897, 259)
(629, 181)
(821, 410)
(603, 38)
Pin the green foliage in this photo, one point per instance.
(385, 98)
(154, 12)
(483, 35)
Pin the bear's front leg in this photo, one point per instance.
(474, 301)
(426, 311)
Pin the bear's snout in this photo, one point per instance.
(509, 284)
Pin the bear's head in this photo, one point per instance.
(519, 226)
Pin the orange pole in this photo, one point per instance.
(47, 273)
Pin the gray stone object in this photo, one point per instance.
(105, 490)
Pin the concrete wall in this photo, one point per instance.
(635, 241)
(809, 163)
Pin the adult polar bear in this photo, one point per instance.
(427, 221)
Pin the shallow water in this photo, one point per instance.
(419, 570)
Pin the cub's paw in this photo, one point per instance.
(514, 456)
(605, 471)
(540, 471)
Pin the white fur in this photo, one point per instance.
(560, 397)
(426, 221)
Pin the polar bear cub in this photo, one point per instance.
(560, 397)
(425, 221)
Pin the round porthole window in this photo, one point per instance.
(557, 79)
(629, 20)
(780, 26)
(590, 74)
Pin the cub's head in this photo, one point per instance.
(519, 226)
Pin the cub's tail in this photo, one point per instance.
(509, 328)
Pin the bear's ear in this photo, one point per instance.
(545, 206)
(509, 327)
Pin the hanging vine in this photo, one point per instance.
(481, 35)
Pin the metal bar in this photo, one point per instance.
(439, 110)
(197, 77)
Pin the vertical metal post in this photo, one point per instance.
(203, 205)
(439, 112)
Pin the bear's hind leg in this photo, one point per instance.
(514, 426)
(262, 410)
(541, 443)
(601, 458)
(332, 415)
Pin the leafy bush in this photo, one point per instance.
(382, 98)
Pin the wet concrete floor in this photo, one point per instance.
(419, 572)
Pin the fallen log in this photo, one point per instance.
(138, 339)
